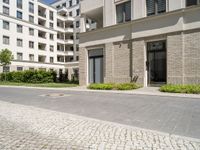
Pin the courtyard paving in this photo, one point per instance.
(30, 128)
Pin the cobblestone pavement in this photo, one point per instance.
(31, 128)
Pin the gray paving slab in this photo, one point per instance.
(31, 128)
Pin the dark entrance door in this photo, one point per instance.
(96, 66)
(156, 63)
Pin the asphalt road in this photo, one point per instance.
(180, 116)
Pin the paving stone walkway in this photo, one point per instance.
(30, 128)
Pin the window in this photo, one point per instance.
(31, 31)
(19, 68)
(19, 56)
(6, 1)
(31, 19)
(31, 57)
(51, 36)
(6, 40)
(51, 48)
(51, 25)
(19, 42)
(77, 58)
(155, 7)
(31, 44)
(192, 2)
(77, 12)
(19, 28)
(51, 15)
(6, 25)
(77, 1)
(19, 4)
(51, 60)
(31, 68)
(123, 12)
(64, 4)
(5, 10)
(6, 69)
(77, 24)
(31, 7)
(70, 13)
(19, 14)
(70, 3)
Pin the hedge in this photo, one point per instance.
(29, 76)
(188, 89)
(114, 86)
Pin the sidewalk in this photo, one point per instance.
(26, 127)
(152, 91)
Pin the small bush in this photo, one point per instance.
(126, 86)
(107, 86)
(112, 86)
(188, 89)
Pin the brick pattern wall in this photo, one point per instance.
(175, 61)
(183, 59)
(82, 66)
(192, 57)
(138, 60)
(117, 57)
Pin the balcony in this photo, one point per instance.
(41, 59)
(62, 11)
(61, 58)
(69, 30)
(69, 53)
(42, 46)
(93, 10)
(69, 42)
(41, 11)
(89, 6)
(41, 34)
(41, 22)
(65, 18)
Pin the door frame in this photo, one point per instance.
(147, 83)
(94, 68)
(102, 47)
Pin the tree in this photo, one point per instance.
(5, 58)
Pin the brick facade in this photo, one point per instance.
(125, 60)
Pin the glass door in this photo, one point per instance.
(96, 70)
(156, 64)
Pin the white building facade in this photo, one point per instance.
(38, 35)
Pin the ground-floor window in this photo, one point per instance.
(6, 69)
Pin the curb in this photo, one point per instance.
(133, 92)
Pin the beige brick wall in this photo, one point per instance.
(192, 57)
(183, 59)
(82, 66)
(117, 58)
(175, 58)
(138, 60)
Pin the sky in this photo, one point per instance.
(48, 1)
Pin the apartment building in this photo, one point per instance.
(39, 36)
(73, 10)
(151, 42)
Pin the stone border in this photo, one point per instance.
(132, 92)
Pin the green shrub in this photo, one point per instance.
(107, 86)
(188, 89)
(112, 86)
(29, 76)
(126, 86)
